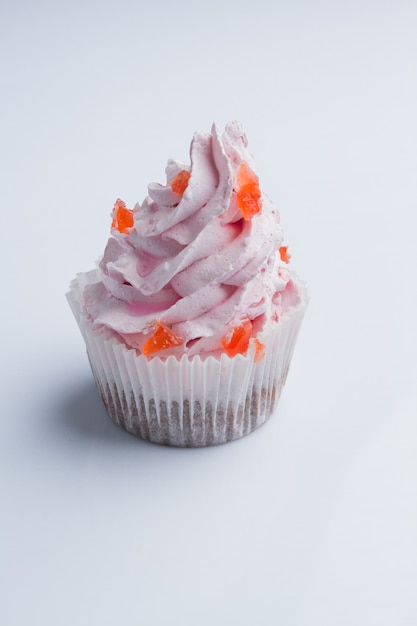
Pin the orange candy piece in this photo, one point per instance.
(284, 254)
(180, 182)
(259, 350)
(237, 341)
(162, 339)
(248, 194)
(122, 217)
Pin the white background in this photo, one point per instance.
(312, 520)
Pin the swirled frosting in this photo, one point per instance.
(199, 266)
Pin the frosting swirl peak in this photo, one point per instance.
(196, 268)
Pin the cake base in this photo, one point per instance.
(188, 425)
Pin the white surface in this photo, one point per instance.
(311, 521)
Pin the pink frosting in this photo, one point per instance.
(192, 262)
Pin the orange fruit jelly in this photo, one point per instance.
(259, 350)
(237, 341)
(162, 339)
(284, 254)
(180, 182)
(248, 194)
(122, 217)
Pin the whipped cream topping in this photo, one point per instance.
(198, 258)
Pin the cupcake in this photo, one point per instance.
(191, 317)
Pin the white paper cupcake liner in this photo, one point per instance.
(188, 402)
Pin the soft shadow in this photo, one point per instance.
(81, 414)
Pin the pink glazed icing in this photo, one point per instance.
(191, 261)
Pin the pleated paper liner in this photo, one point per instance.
(188, 402)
